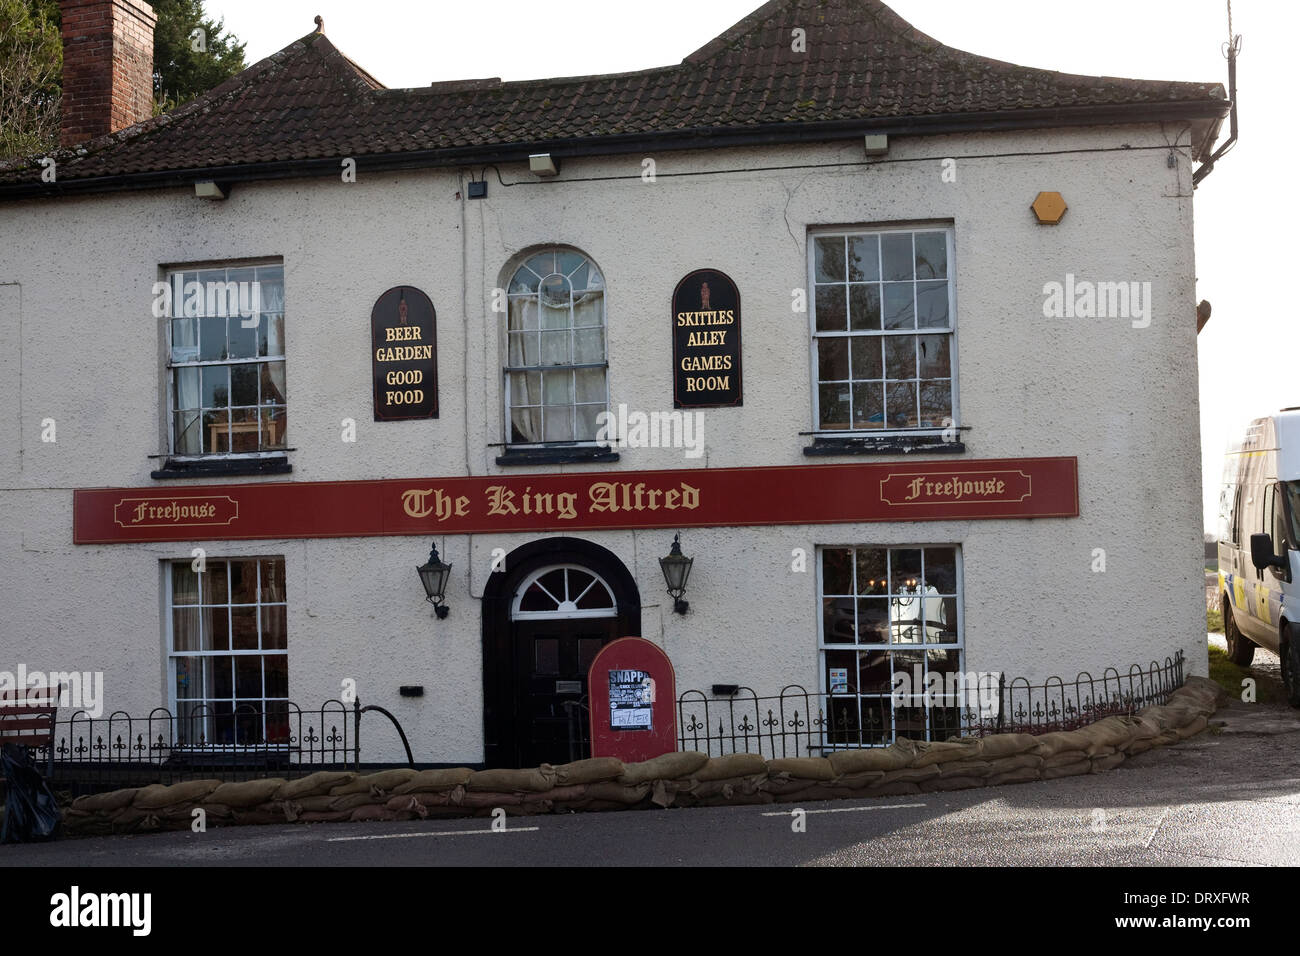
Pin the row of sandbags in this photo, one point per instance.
(675, 779)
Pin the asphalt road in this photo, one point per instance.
(1229, 797)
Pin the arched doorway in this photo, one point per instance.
(545, 615)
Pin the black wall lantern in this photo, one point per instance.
(433, 575)
(677, 568)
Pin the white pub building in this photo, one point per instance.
(894, 342)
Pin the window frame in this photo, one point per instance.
(513, 267)
(889, 647)
(170, 367)
(878, 230)
(171, 654)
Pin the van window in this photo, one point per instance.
(1292, 489)
(1278, 530)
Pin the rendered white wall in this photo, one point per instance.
(1124, 400)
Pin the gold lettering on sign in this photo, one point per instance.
(613, 497)
(159, 512)
(415, 503)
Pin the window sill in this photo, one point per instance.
(882, 445)
(560, 455)
(223, 468)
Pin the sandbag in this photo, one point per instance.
(780, 784)
(951, 783)
(1192, 729)
(804, 768)
(156, 796)
(1114, 732)
(1060, 741)
(860, 779)
(911, 774)
(873, 758)
(503, 781)
(815, 791)
(670, 766)
(592, 770)
(245, 794)
(1063, 758)
(1018, 762)
(570, 793)
(732, 765)
(617, 793)
(967, 768)
(1141, 747)
(1020, 775)
(315, 785)
(385, 781)
(937, 751)
(435, 781)
(103, 802)
(489, 800)
(1102, 764)
(1006, 745)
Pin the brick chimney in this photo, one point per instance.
(107, 66)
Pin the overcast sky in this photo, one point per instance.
(1250, 352)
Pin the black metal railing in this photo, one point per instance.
(204, 741)
(797, 722)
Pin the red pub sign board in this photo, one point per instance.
(683, 498)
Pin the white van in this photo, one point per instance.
(1259, 545)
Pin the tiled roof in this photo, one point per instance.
(864, 68)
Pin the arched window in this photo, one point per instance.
(563, 591)
(555, 353)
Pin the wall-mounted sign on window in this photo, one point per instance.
(629, 700)
(706, 341)
(404, 355)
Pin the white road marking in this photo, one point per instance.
(436, 833)
(888, 806)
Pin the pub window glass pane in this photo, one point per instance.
(890, 282)
(228, 658)
(833, 359)
(864, 258)
(828, 257)
(905, 610)
(558, 293)
(223, 299)
(831, 314)
(833, 401)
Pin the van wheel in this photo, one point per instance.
(1240, 650)
(1291, 665)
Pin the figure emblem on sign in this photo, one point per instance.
(704, 297)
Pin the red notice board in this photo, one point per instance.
(633, 694)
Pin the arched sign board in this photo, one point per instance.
(706, 341)
(404, 355)
(633, 694)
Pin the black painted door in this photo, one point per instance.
(551, 659)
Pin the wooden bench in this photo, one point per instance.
(27, 718)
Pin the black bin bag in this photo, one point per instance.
(31, 812)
